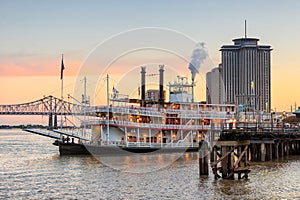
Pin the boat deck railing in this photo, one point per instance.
(150, 125)
(182, 113)
(146, 144)
(159, 145)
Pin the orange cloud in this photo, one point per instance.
(14, 65)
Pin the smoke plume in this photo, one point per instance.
(198, 57)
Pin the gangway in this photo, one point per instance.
(43, 133)
(70, 134)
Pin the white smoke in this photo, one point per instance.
(198, 57)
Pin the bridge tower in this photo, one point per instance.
(50, 123)
(55, 121)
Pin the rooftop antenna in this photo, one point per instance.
(245, 28)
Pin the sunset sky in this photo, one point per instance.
(34, 34)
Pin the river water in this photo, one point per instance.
(31, 168)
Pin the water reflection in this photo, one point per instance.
(139, 163)
(32, 169)
(269, 180)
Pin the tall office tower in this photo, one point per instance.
(215, 86)
(247, 73)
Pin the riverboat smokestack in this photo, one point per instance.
(161, 85)
(143, 86)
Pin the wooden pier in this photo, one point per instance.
(233, 157)
(266, 146)
(235, 149)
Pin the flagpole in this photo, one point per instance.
(62, 97)
(62, 86)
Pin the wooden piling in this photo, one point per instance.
(224, 162)
(239, 151)
(270, 157)
(276, 150)
(286, 148)
(282, 149)
(203, 158)
(262, 152)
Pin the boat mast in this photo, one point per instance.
(84, 101)
(107, 101)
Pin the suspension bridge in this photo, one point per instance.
(48, 105)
